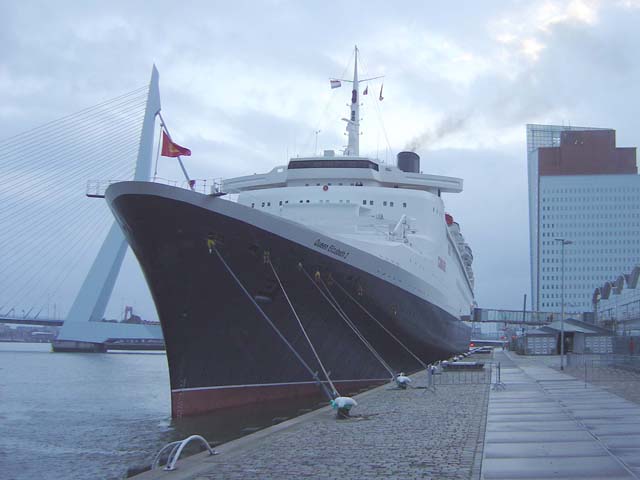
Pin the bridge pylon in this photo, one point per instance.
(83, 330)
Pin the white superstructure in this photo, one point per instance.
(397, 215)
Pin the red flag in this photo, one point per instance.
(366, 90)
(381, 97)
(170, 149)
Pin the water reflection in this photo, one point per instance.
(72, 416)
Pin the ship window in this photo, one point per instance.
(364, 202)
(370, 202)
(307, 201)
(338, 184)
(253, 205)
(306, 184)
(280, 202)
(268, 204)
(301, 201)
(263, 204)
(404, 204)
(391, 204)
(294, 164)
(286, 201)
(384, 204)
(348, 201)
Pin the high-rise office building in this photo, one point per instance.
(584, 189)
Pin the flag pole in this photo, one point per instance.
(184, 171)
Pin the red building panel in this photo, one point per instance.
(589, 152)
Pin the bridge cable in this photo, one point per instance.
(65, 119)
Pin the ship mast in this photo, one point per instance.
(353, 123)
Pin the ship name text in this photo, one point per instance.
(331, 249)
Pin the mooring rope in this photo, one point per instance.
(424, 365)
(353, 325)
(350, 323)
(314, 375)
(295, 314)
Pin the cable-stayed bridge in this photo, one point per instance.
(51, 232)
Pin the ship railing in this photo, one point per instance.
(207, 186)
(173, 450)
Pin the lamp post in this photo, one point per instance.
(563, 242)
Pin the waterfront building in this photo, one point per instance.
(585, 189)
(617, 303)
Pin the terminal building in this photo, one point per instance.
(584, 189)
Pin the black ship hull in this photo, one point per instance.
(221, 351)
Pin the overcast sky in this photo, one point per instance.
(244, 84)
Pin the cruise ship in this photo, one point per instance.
(334, 270)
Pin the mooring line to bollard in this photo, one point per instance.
(334, 391)
(314, 375)
(349, 323)
(408, 350)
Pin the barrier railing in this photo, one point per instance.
(175, 449)
(207, 186)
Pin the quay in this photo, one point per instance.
(540, 424)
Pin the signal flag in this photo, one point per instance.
(171, 149)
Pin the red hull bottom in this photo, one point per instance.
(199, 401)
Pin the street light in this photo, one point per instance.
(563, 242)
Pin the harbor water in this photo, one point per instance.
(80, 416)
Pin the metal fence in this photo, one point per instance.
(488, 375)
(604, 368)
(464, 377)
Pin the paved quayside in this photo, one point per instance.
(546, 424)
(414, 433)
